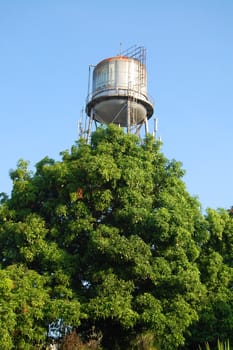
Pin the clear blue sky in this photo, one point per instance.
(46, 47)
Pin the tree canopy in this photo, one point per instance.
(110, 238)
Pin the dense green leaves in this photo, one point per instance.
(109, 237)
(23, 296)
(216, 267)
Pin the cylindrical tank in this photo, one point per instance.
(119, 92)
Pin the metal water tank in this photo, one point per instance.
(119, 92)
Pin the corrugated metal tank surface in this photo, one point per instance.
(119, 87)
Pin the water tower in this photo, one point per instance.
(117, 92)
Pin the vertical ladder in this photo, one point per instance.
(141, 59)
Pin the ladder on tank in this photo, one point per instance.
(138, 53)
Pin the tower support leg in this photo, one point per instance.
(146, 126)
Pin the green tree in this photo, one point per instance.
(23, 298)
(216, 268)
(115, 236)
(35, 287)
(145, 235)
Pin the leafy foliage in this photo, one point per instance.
(109, 238)
(216, 267)
(221, 345)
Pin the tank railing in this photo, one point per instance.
(151, 99)
(138, 52)
(130, 50)
(119, 91)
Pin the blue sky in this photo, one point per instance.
(46, 47)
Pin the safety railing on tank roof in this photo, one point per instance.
(138, 52)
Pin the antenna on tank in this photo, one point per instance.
(120, 49)
(81, 129)
(155, 127)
